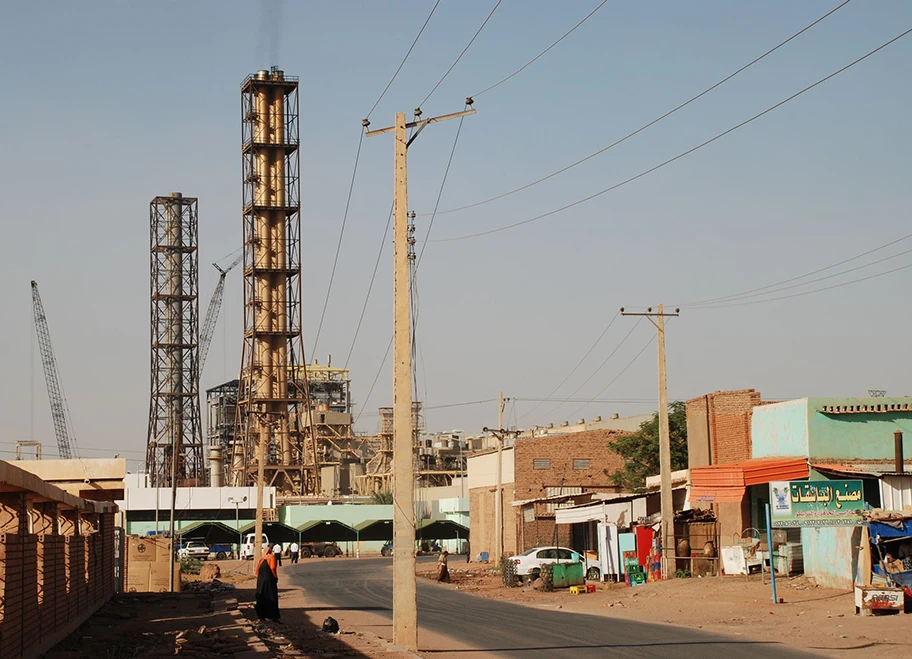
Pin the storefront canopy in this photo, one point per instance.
(726, 483)
(275, 531)
(375, 529)
(440, 529)
(209, 532)
(330, 530)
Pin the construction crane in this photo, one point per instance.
(212, 312)
(63, 426)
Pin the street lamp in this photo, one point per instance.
(237, 520)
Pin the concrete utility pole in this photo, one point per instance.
(667, 505)
(498, 502)
(405, 603)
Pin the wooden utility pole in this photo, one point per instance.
(666, 503)
(405, 603)
(498, 502)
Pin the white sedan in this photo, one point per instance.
(529, 562)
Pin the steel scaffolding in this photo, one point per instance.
(174, 408)
(273, 410)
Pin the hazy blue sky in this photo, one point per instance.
(108, 104)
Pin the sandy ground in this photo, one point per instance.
(814, 618)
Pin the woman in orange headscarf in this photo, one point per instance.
(267, 590)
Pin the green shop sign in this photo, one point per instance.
(816, 503)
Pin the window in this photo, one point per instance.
(547, 554)
(564, 554)
(581, 463)
(541, 463)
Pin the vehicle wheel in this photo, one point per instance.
(534, 574)
(384, 552)
(221, 556)
(329, 552)
(305, 552)
(592, 574)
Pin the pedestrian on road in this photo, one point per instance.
(443, 574)
(277, 550)
(267, 589)
(294, 552)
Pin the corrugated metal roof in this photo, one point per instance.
(749, 472)
(717, 495)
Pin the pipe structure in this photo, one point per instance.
(274, 428)
(898, 451)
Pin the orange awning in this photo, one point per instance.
(717, 494)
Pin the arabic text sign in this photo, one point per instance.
(816, 503)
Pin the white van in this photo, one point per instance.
(247, 549)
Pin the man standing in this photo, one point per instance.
(277, 549)
(294, 552)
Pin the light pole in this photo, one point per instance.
(237, 520)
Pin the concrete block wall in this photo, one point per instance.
(50, 583)
(481, 514)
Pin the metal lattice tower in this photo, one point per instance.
(174, 407)
(273, 407)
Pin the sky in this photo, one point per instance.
(109, 104)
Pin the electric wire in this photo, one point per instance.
(791, 279)
(402, 63)
(600, 366)
(332, 274)
(803, 293)
(370, 287)
(616, 377)
(651, 123)
(575, 368)
(808, 282)
(468, 45)
(682, 154)
(534, 59)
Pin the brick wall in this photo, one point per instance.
(49, 584)
(719, 427)
(560, 451)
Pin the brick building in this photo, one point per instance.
(719, 427)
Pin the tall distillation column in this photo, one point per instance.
(174, 408)
(273, 408)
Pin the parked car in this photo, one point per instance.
(194, 549)
(221, 551)
(247, 549)
(387, 548)
(528, 564)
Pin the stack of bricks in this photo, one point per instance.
(12, 570)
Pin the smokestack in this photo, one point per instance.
(898, 451)
(215, 466)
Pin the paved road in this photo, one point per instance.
(511, 630)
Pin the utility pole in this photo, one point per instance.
(498, 502)
(667, 505)
(405, 602)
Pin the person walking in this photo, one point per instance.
(277, 550)
(294, 549)
(267, 589)
(443, 573)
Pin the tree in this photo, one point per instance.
(641, 449)
(381, 497)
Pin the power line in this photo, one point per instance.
(370, 288)
(684, 153)
(376, 377)
(791, 279)
(332, 274)
(575, 368)
(806, 283)
(616, 378)
(402, 63)
(453, 65)
(534, 59)
(600, 366)
(816, 290)
(651, 123)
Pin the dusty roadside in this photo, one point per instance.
(817, 619)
